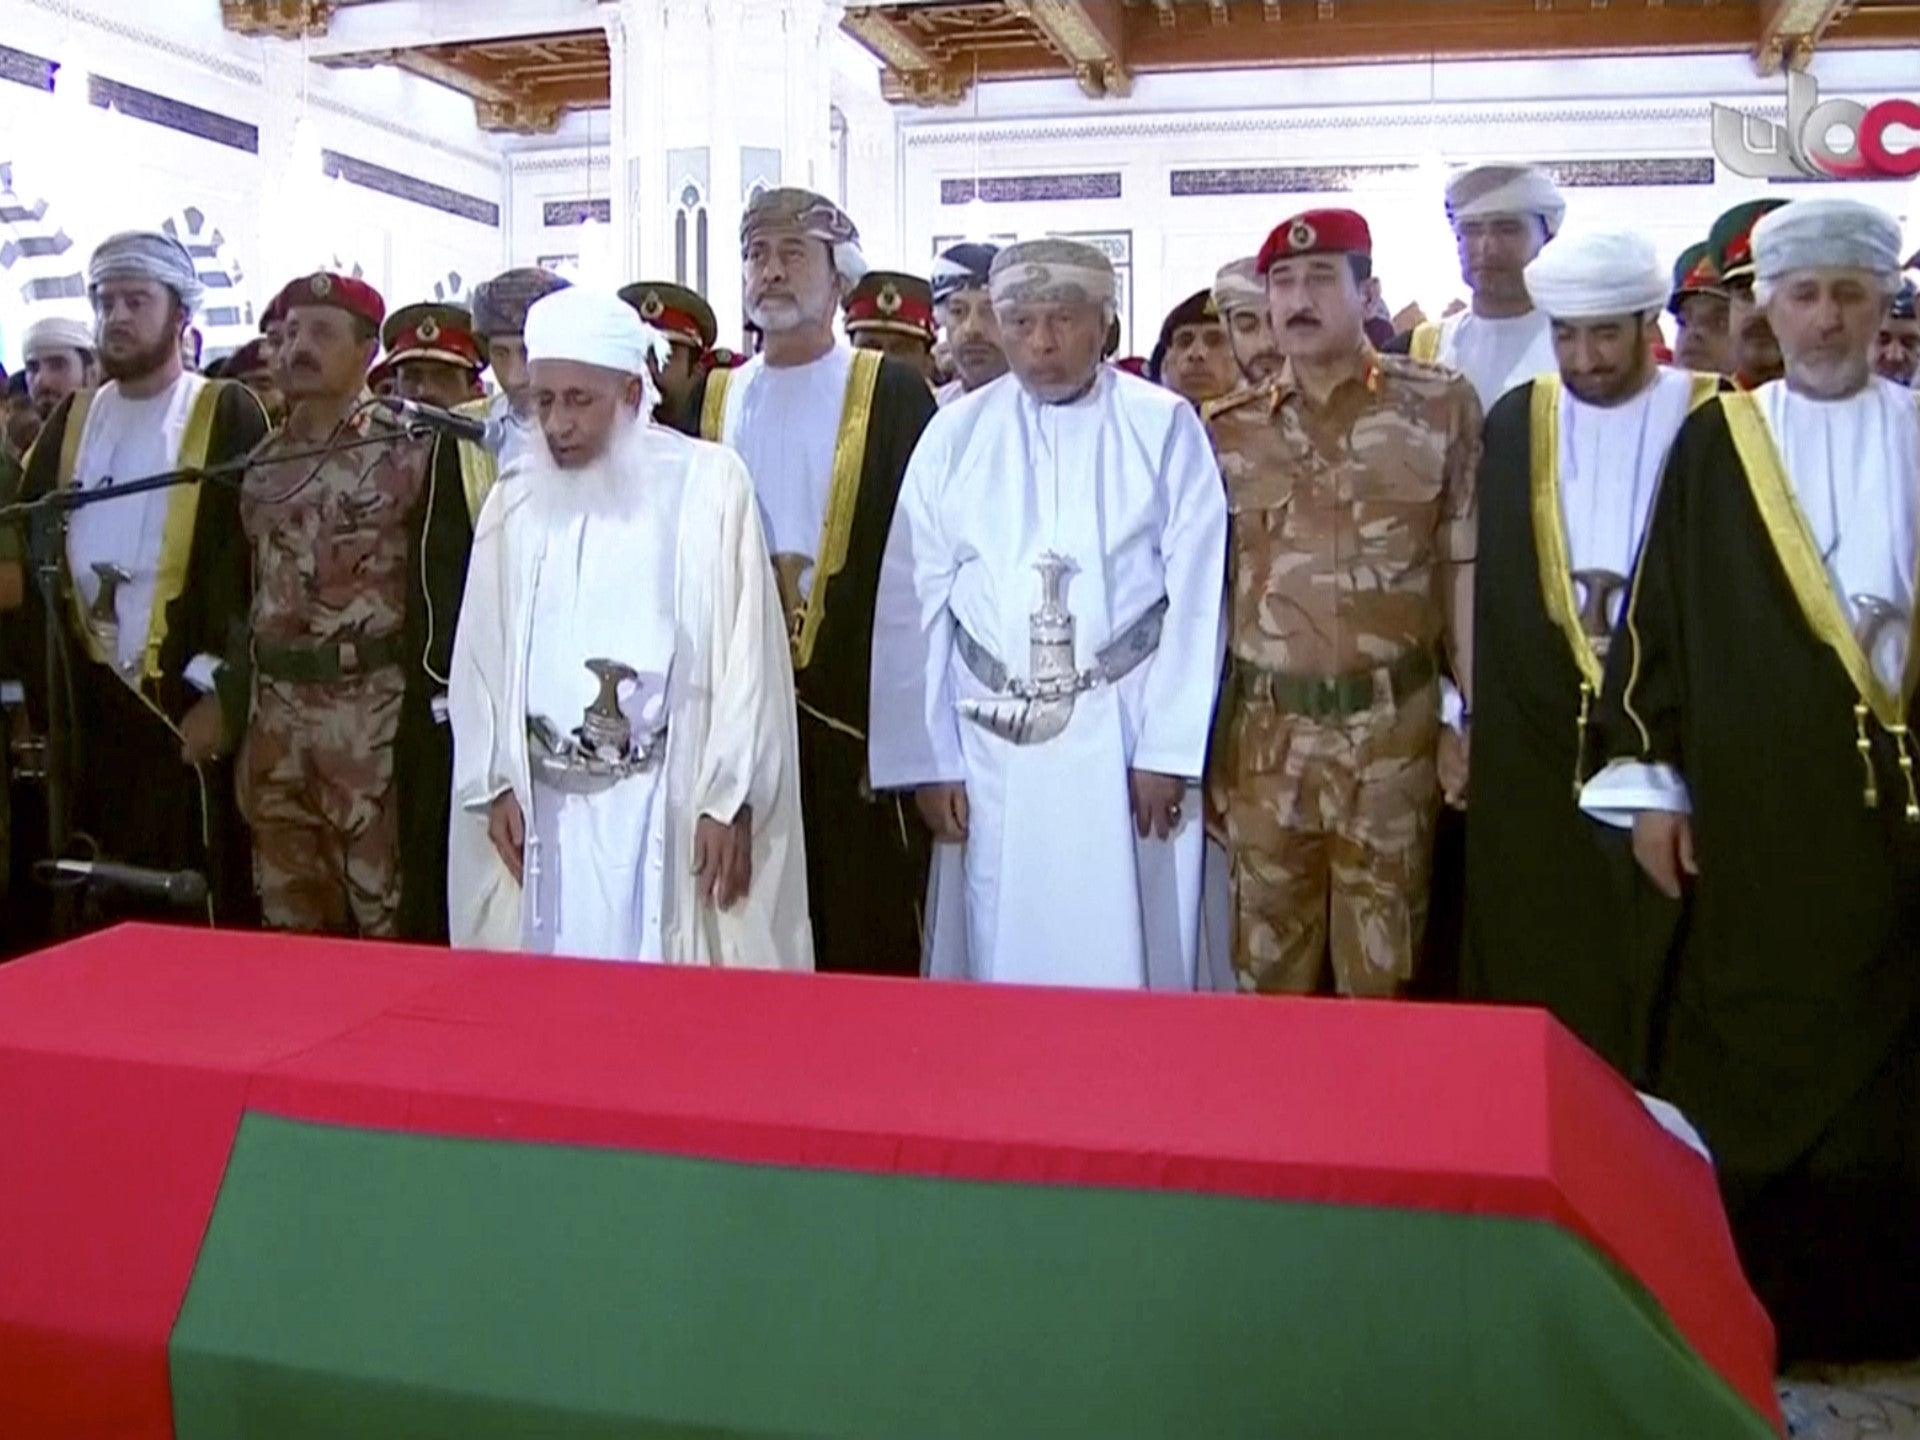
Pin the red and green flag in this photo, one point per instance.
(266, 1187)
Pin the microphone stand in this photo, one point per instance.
(46, 522)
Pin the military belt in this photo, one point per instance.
(1334, 697)
(1113, 663)
(327, 664)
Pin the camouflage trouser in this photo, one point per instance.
(1330, 823)
(317, 785)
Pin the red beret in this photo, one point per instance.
(1134, 365)
(721, 358)
(342, 292)
(275, 313)
(1316, 232)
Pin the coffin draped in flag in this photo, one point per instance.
(264, 1186)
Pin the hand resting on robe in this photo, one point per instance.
(943, 809)
(723, 859)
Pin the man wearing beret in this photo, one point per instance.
(273, 327)
(893, 313)
(156, 582)
(963, 305)
(1501, 216)
(1350, 478)
(1896, 354)
(500, 321)
(1759, 710)
(1698, 304)
(1556, 913)
(688, 322)
(1193, 358)
(1754, 357)
(359, 560)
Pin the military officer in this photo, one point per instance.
(1350, 482)
(434, 355)
(687, 321)
(893, 313)
(1698, 305)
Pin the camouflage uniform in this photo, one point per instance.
(332, 554)
(1325, 771)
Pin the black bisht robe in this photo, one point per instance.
(1792, 1039)
(867, 854)
(127, 788)
(439, 545)
(1558, 914)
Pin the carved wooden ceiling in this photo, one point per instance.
(932, 51)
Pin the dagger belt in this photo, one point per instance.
(1113, 663)
(572, 765)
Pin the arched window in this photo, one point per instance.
(690, 223)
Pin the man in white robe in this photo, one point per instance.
(826, 431)
(1063, 528)
(1501, 216)
(1567, 479)
(1761, 704)
(626, 784)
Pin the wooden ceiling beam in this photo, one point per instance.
(1462, 29)
(279, 19)
(1091, 34)
(1790, 29)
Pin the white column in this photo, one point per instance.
(622, 239)
(279, 250)
(725, 136)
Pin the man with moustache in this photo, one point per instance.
(1896, 352)
(1193, 358)
(964, 306)
(1760, 705)
(1065, 500)
(58, 358)
(499, 318)
(1754, 359)
(1240, 295)
(154, 583)
(1350, 478)
(826, 431)
(359, 559)
(1556, 912)
(627, 565)
(1501, 216)
(1698, 304)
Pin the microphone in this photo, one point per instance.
(186, 889)
(461, 427)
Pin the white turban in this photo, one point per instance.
(1051, 272)
(1487, 190)
(1597, 273)
(593, 327)
(57, 332)
(1826, 234)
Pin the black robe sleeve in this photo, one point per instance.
(1400, 344)
(423, 759)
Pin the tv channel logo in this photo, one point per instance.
(1821, 139)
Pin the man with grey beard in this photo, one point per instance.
(1760, 706)
(826, 431)
(622, 712)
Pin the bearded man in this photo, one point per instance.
(826, 431)
(1760, 708)
(1556, 914)
(621, 700)
(1073, 507)
(964, 307)
(1240, 295)
(156, 581)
